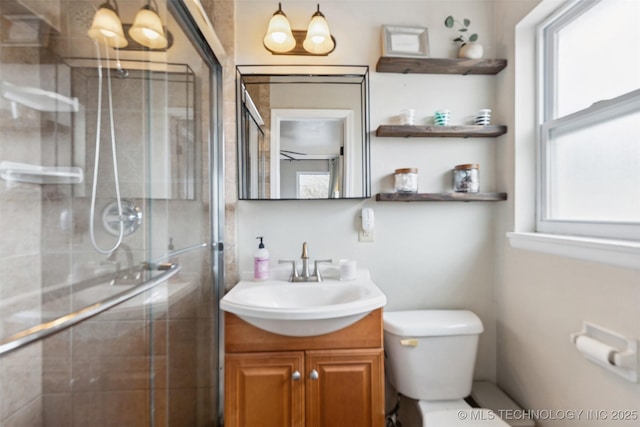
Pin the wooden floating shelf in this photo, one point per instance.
(441, 197)
(408, 131)
(461, 66)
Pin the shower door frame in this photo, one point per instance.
(192, 19)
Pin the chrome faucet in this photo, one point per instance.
(131, 274)
(305, 262)
(113, 256)
(304, 275)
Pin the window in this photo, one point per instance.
(312, 185)
(589, 116)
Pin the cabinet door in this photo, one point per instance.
(348, 390)
(264, 389)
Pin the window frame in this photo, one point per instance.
(548, 123)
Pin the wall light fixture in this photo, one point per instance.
(319, 39)
(279, 38)
(316, 40)
(146, 32)
(147, 28)
(106, 27)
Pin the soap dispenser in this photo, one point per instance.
(261, 262)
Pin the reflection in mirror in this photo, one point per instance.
(154, 103)
(302, 132)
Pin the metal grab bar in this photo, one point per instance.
(46, 329)
(177, 252)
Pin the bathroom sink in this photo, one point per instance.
(303, 309)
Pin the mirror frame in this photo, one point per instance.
(247, 115)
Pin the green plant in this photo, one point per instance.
(464, 36)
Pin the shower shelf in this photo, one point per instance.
(33, 174)
(39, 99)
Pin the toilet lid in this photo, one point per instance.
(469, 417)
(432, 323)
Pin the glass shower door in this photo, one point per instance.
(110, 257)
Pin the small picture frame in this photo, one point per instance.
(409, 42)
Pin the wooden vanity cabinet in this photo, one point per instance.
(340, 381)
(260, 389)
(349, 388)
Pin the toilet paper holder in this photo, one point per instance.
(608, 349)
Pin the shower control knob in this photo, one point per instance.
(296, 375)
(314, 375)
(130, 219)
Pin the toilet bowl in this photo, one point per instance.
(431, 357)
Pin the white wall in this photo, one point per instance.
(426, 255)
(544, 298)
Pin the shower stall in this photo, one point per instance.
(111, 215)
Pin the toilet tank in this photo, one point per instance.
(431, 353)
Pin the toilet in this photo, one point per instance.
(431, 356)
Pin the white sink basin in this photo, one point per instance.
(303, 309)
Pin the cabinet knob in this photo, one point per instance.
(296, 375)
(314, 374)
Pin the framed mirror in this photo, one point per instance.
(303, 132)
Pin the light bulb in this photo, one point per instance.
(150, 34)
(278, 37)
(107, 33)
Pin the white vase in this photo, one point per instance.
(471, 51)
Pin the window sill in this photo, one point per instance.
(619, 253)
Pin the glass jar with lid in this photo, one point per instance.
(406, 180)
(466, 178)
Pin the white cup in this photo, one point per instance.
(483, 118)
(347, 269)
(407, 116)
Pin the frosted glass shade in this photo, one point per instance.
(318, 40)
(106, 27)
(279, 37)
(147, 29)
